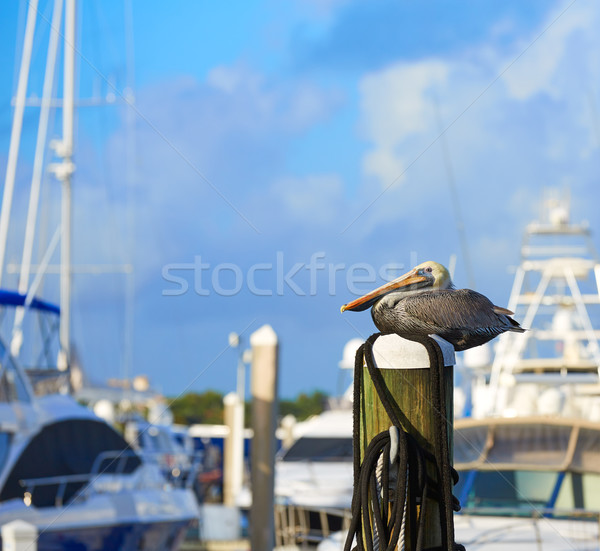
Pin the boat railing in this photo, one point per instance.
(118, 458)
(533, 513)
(307, 525)
(62, 482)
(85, 482)
(47, 380)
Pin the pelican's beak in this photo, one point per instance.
(369, 299)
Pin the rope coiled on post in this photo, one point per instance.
(375, 526)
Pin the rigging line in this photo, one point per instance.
(460, 225)
(458, 117)
(156, 130)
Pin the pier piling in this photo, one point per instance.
(405, 369)
(233, 453)
(264, 419)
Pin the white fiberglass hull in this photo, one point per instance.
(545, 534)
(150, 519)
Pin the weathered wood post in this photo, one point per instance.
(264, 420)
(404, 366)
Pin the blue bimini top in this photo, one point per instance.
(14, 298)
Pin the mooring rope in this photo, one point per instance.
(394, 467)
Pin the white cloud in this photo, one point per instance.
(385, 165)
(314, 199)
(320, 9)
(547, 57)
(531, 128)
(226, 79)
(396, 102)
(286, 105)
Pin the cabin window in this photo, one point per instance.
(525, 491)
(320, 449)
(580, 491)
(520, 490)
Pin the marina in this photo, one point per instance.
(133, 417)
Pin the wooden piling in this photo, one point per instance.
(404, 366)
(264, 419)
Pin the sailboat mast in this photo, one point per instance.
(36, 178)
(65, 150)
(15, 137)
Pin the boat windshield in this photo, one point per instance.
(320, 449)
(528, 492)
(48, 466)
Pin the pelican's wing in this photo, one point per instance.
(505, 311)
(458, 309)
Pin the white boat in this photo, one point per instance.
(73, 477)
(313, 480)
(315, 470)
(529, 457)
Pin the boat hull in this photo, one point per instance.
(147, 520)
(489, 533)
(148, 537)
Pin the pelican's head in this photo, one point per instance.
(427, 276)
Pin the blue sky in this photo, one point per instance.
(269, 135)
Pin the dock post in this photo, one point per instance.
(19, 535)
(404, 366)
(264, 421)
(233, 456)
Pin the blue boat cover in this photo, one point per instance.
(14, 298)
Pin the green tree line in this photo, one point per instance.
(207, 407)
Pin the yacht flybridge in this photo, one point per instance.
(553, 368)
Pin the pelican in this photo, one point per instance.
(424, 302)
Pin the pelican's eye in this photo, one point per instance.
(429, 269)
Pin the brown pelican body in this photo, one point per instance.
(424, 302)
